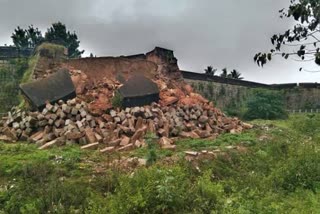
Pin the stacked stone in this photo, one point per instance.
(190, 121)
(120, 130)
(62, 121)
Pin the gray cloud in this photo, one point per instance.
(208, 32)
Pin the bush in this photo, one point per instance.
(151, 190)
(308, 125)
(117, 100)
(265, 104)
(151, 143)
(303, 172)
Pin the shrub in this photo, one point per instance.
(266, 104)
(308, 125)
(208, 195)
(151, 143)
(116, 101)
(151, 190)
(300, 170)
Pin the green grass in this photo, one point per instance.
(279, 173)
(221, 142)
(19, 71)
(143, 152)
(53, 49)
(31, 65)
(15, 157)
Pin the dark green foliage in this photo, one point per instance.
(151, 141)
(266, 104)
(301, 172)
(210, 71)
(117, 100)
(164, 191)
(309, 125)
(35, 36)
(224, 73)
(234, 74)
(58, 34)
(28, 38)
(20, 38)
(304, 35)
(10, 77)
(235, 111)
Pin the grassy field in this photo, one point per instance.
(276, 170)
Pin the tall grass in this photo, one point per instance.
(279, 173)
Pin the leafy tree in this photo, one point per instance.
(210, 71)
(58, 34)
(302, 40)
(34, 36)
(234, 74)
(224, 73)
(266, 104)
(20, 38)
(28, 38)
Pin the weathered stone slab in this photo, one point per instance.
(55, 87)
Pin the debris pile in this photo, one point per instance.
(121, 129)
(91, 120)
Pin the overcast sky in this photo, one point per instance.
(221, 33)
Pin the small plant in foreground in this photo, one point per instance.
(117, 100)
(151, 145)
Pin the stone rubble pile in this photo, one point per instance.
(91, 121)
(118, 130)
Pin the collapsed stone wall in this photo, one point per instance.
(91, 121)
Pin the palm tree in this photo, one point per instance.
(210, 70)
(234, 74)
(224, 73)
